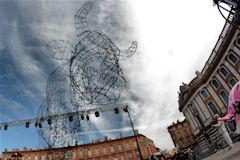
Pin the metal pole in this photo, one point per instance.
(134, 132)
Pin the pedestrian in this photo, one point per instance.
(233, 107)
(223, 131)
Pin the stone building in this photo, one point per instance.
(107, 149)
(207, 93)
(181, 134)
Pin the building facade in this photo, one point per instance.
(118, 149)
(181, 134)
(207, 94)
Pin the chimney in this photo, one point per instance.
(136, 131)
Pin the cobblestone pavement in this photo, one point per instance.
(225, 154)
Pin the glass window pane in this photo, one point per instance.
(213, 107)
(224, 96)
(224, 71)
(215, 83)
(233, 82)
(233, 58)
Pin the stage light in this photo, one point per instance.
(27, 124)
(116, 110)
(39, 125)
(5, 127)
(82, 117)
(49, 121)
(87, 117)
(97, 114)
(70, 118)
(125, 109)
(36, 124)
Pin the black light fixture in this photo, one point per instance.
(5, 127)
(36, 124)
(70, 118)
(49, 121)
(87, 117)
(39, 125)
(116, 110)
(97, 114)
(125, 109)
(82, 117)
(27, 124)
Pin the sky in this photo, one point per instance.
(175, 39)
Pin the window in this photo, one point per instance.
(104, 150)
(81, 153)
(57, 156)
(200, 120)
(130, 156)
(122, 157)
(36, 157)
(127, 146)
(233, 58)
(135, 144)
(224, 96)
(213, 107)
(193, 107)
(179, 135)
(105, 158)
(215, 83)
(232, 82)
(224, 71)
(188, 140)
(89, 153)
(97, 151)
(111, 149)
(114, 158)
(74, 154)
(204, 94)
(49, 157)
(43, 157)
(120, 147)
(29, 157)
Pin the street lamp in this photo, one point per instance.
(235, 10)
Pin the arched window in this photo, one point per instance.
(232, 82)
(224, 96)
(204, 94)
(213, 107)
(215, 83)
(233, 58)
(224, 71)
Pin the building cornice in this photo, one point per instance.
(187, 90)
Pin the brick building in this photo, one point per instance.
(181, 134)
(121, 149)
(207, 94)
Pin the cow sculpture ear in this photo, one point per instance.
(61, 49)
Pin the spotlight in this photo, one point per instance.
(49, 121)
(97, 114)
(5, 127)
(87, 117)
(116, 110)
(36, 124)
(39, 125)
(125, 109)
(70, 118)
(82, 117)
(27, 124)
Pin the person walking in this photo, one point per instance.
(223, 132)
(233, 107)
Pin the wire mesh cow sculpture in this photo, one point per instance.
(89, 75)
